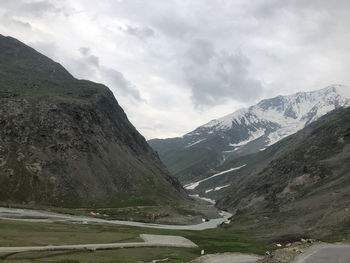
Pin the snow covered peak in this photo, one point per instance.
(226, 121)
(342, 90)
(275, 118)
(296, 106)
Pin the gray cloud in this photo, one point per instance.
(36, 8)
(28, 8)
(86, 65)
(88, 58)
(266, 6)
(140, 32)
(174, 25)
(216, 55)
(201, 52)
(89, 65)
(122, 85)
(49, 49)
(15, 23)
(215, 77)
(84, 51)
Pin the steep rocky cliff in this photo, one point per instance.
(67, 142)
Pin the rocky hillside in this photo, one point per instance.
(67, 142)
(306, 185)
(200, 153)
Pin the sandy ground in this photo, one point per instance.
(150, 241)
(227, 258)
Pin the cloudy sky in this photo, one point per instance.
(176, 64)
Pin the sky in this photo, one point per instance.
(174, 65)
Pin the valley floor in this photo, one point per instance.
(29, 215)
(18, 233)
(215, 243)
(149, 241)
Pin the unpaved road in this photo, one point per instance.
(48, 217)
(150, 241)
(325, 253)
(227, 258)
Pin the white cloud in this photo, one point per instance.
(177, 64)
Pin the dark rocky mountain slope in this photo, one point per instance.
(67, 142)
(305, 188)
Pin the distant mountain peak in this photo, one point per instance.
(287, 113)
(248, 130)
(292, 106)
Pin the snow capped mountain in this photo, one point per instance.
(200, 153)
(273, 119)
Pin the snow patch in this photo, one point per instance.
(236, 149)
(192, 186)
(225, 122)
(252, 136)
(194, 143)
(221, 187)
(204, 198)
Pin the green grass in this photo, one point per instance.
(14, 233)
(340, 233)
(174, 255)
(25, 234)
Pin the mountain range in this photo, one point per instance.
(66, 142)
(211, 149)
(280, 166)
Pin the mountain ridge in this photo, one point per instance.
(246, 131)
(67, 142)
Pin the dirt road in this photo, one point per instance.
(325, 253)
(150, 241)
(29, 215)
